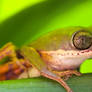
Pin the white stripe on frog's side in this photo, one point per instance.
(62, 60)
(69, 53)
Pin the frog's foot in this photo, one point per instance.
(67, 74)
(66, 77)
(50, 75)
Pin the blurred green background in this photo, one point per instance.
(31, 18)
(22, 21)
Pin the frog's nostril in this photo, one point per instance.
(82, 39)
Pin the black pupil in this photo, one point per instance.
(82, 40)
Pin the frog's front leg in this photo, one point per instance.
(34, 58)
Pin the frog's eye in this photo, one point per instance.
(82, 39)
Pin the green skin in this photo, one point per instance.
(53, 41)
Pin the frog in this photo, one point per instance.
(56, 55)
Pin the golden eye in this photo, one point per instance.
(82, 39)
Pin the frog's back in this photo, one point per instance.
(55, 39)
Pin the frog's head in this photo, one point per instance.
(74, 45)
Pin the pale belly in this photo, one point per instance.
(65, 63)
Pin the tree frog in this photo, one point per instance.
(55, 55)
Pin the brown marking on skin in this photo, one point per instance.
(45, 56)
(2, 77)
(78, 54)
(39, 52)
(13, 74)
(82, 52)
(19, 55)
(10, 75)
(19, 71)
(14, 65)
(26, 64)
(72, 53)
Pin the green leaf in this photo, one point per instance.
(78, 84)
(29, 23)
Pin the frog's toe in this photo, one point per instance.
(65, 78)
